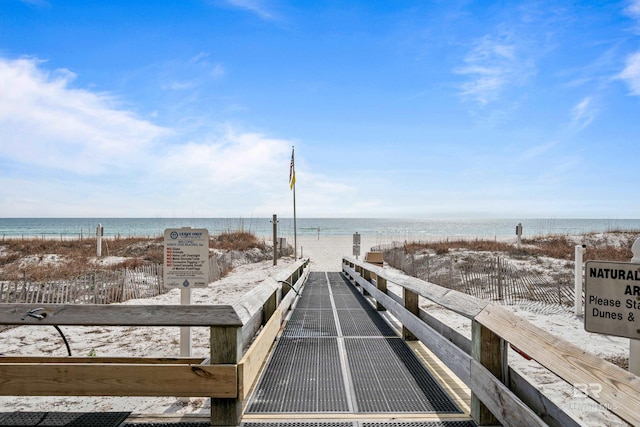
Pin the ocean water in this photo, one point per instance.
(396, 228)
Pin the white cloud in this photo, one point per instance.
(583, 113)
(67, 151)
(538, 150)
(191, 74)
(72, 152)
(631, 73)
(634, 9)
(258, 7)
(492, 65)
(218, 70)
(233, 160)
(48, 123)
(61, 144)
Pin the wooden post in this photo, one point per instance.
(366, 274)
(485, 348)
(185, 331)
(410, 303)
(382, 286)
(275, 239)
(226, 348)
(269, 307)
(499, 263)
(634, 344)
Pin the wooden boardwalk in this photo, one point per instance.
(338, 360)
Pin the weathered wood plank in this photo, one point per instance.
(441, 328)
(286, 274)
(410, 300)
(619, 388)
(226, 347)
(120, 315)
(250, 328)
(500, 401)
(381, 284)
(251, 363)
(545, 408)
(79, 379)
(485, 349)
(103, 360)
(252, 302)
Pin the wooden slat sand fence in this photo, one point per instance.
(98, 287)
(493, 277)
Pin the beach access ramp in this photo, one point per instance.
(338, 362)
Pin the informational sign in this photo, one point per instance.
(186, 257)
(612, 298)
(356, 250)
(356, 238)
(356, 244)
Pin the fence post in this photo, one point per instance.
(486, 349)
(500, 278)
(124, 285)
(226, 348)
(451, 272)
(413, 265)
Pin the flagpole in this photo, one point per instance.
(295, 229)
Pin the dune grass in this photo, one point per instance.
(52, 259)
(599, 247)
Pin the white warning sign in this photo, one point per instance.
(186, 257)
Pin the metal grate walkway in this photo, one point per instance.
(337, 358)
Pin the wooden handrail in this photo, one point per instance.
(119, 315)
(225, 376)
(619, 388)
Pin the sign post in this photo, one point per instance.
(577, 279)
(99, 234)
(612, 303)
(519, 236)
(186, 266)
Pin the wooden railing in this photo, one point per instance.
(500, 393)
(226, 376)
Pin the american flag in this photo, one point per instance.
(292, 173)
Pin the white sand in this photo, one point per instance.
(325, 254)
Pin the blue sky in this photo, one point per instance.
(395, 108)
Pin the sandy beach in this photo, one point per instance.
(325, 254)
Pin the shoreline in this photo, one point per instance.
(398, 228)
